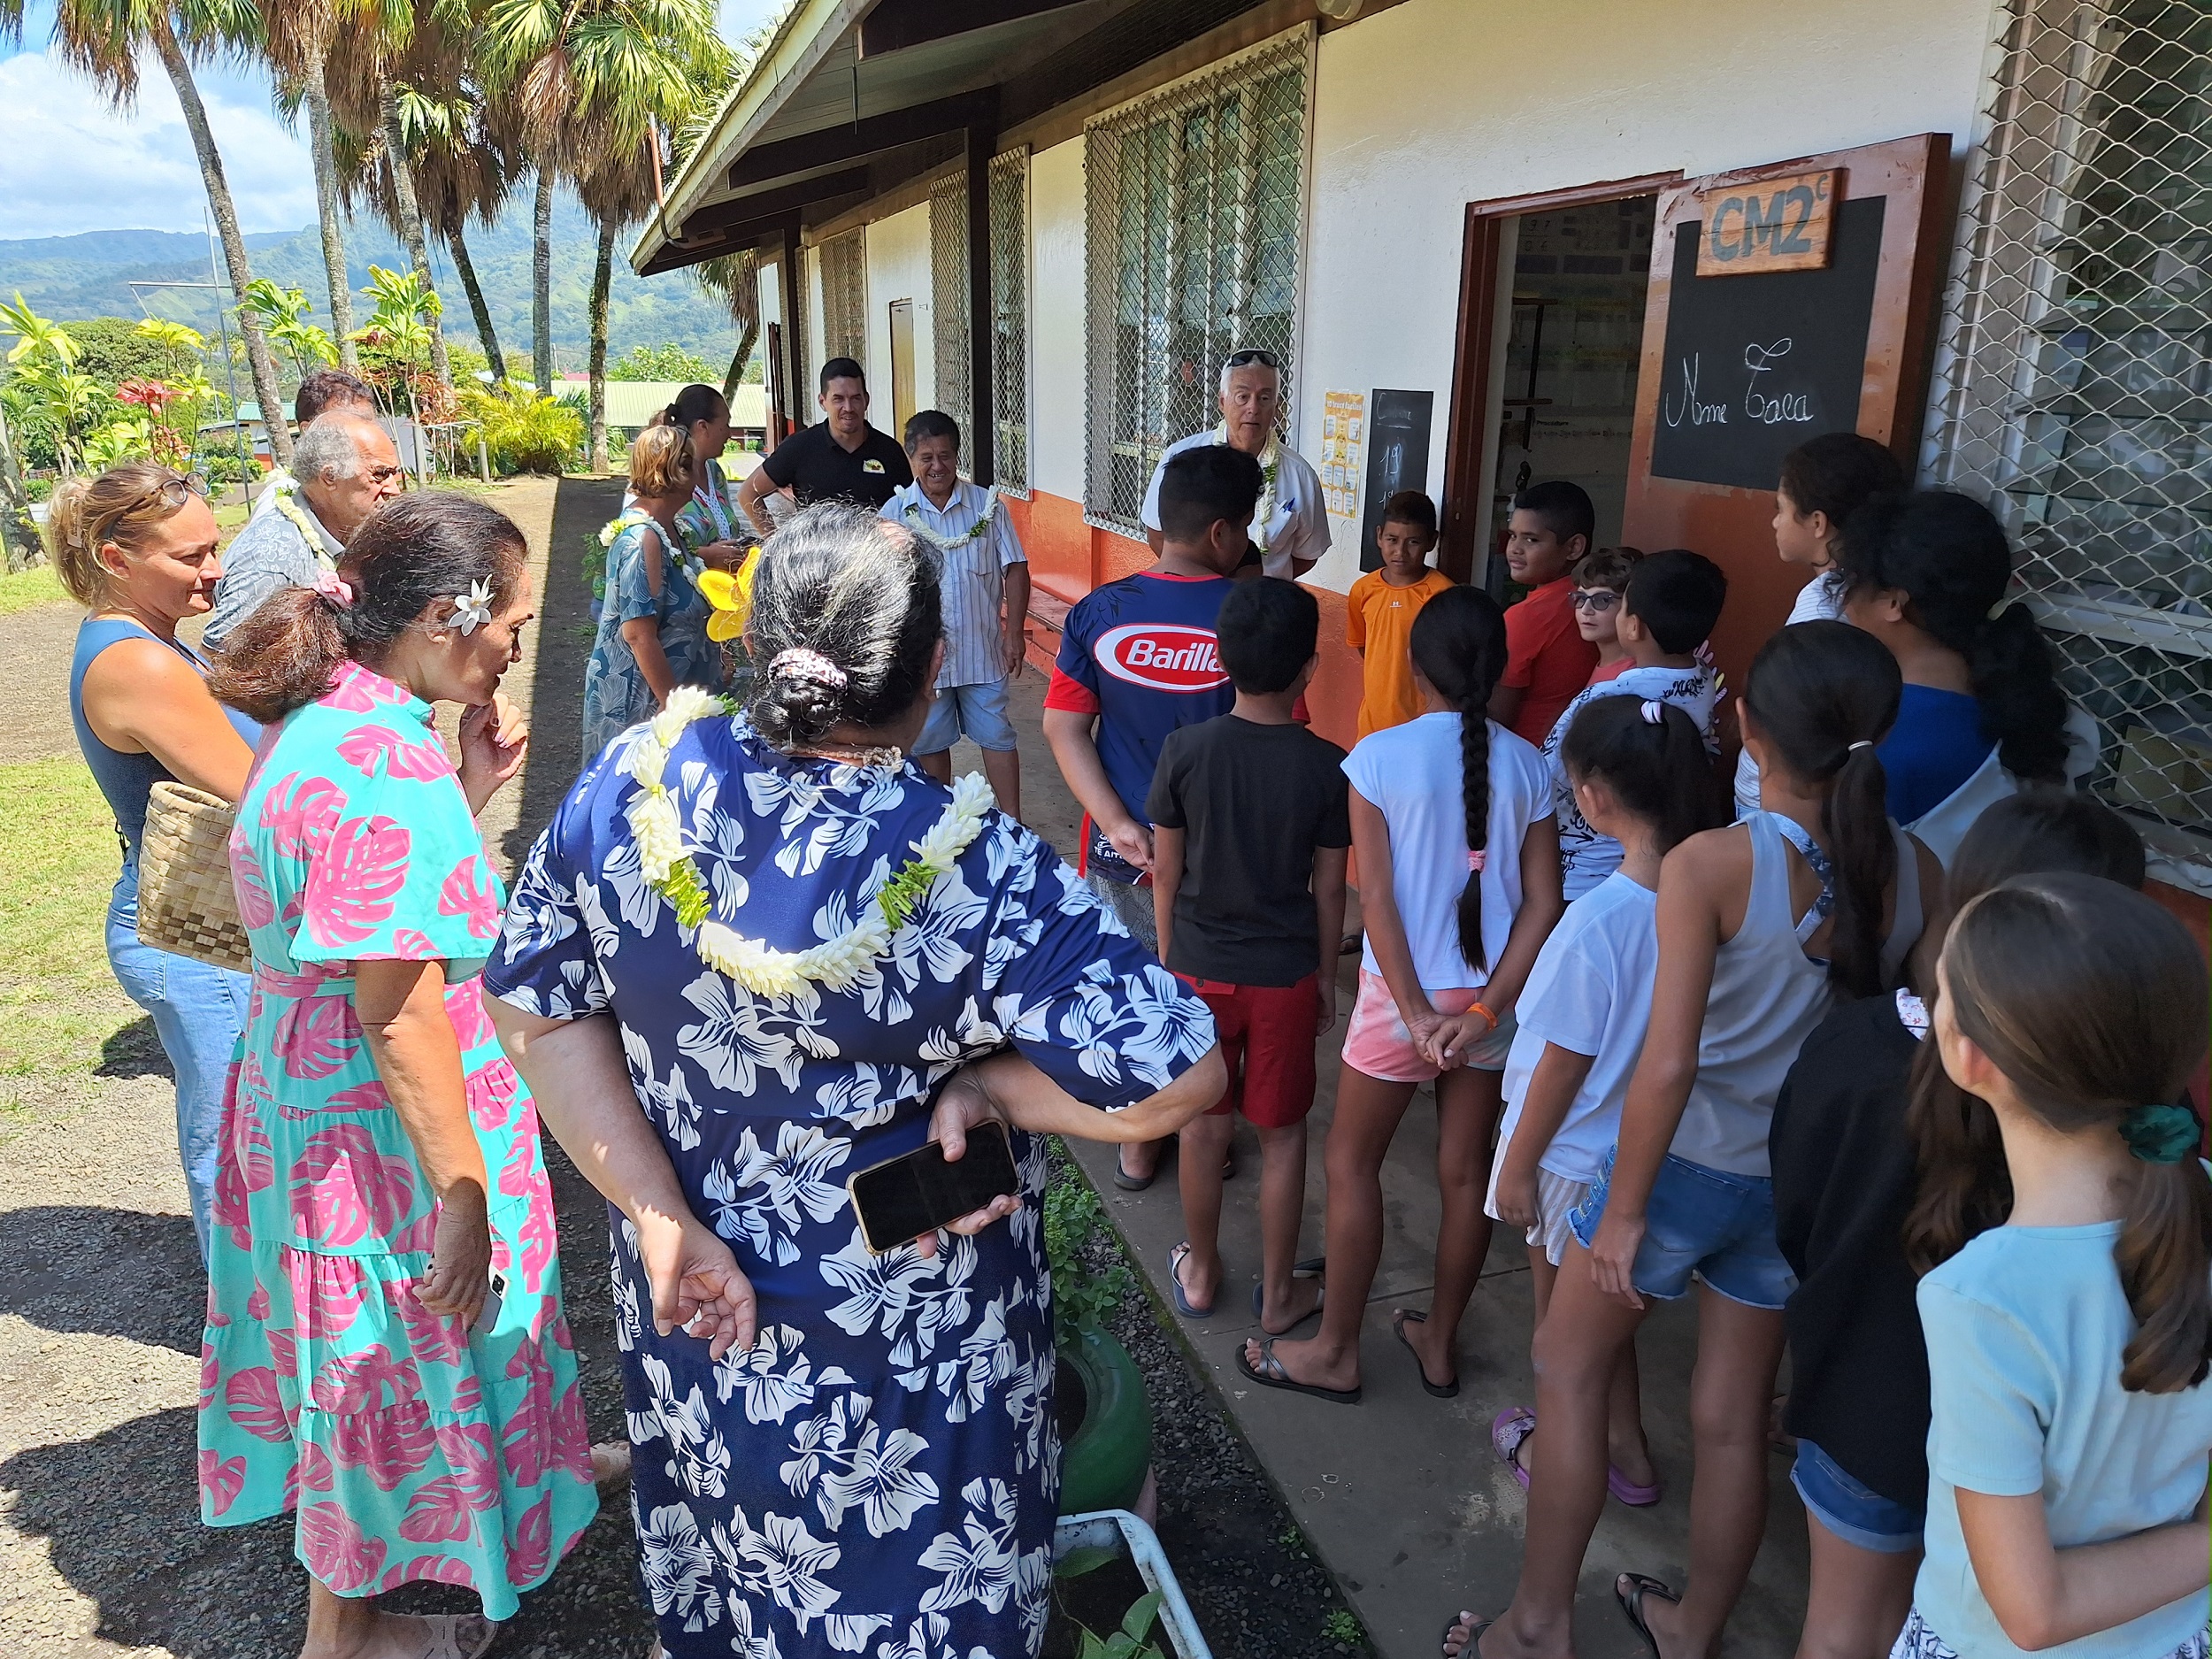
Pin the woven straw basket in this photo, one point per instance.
(186, 902)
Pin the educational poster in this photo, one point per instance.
(1343, 438)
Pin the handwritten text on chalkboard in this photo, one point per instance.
(1772, 225)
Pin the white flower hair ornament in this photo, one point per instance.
(473, 609)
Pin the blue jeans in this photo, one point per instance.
(976, 711)
(1700, 1222)
(199, 1011)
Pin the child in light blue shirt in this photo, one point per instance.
(2068, 1349)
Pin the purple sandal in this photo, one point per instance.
(1511, 1428)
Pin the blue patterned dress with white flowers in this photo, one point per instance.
(877, 1475)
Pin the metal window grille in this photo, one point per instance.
(949, 290)
(2074, 387)
(845, 297)
(1010, 320)
(1192, 206)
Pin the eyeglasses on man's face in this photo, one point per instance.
(1600, 600)
(381, 476)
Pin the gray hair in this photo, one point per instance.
(329, 447)
(846, 617)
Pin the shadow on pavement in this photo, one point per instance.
(84, 1269)
(580, 507)
(134, 1050)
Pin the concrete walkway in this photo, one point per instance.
(1401, 1495)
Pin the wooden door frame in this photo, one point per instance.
(1466, 493)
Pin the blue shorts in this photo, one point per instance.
(1856, 1514)
(1700, 1223)
(978, 711)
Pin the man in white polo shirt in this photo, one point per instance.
(1290, 525)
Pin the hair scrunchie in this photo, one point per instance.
(2159, 1133)
(334, 588)
(1655, 712)
(800, 663)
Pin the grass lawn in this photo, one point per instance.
(22, 589)
(58, 1002)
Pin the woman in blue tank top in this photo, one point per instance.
(137, 547)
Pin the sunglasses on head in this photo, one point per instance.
(174, 491)
(1595, 599)
(1251, 355)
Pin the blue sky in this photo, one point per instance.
(73, 165)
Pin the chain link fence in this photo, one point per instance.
(948, 297)
(1010, 320)
(2074, 382)
(1192, 199)
(844, 298)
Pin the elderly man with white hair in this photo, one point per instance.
(347, 467)
(1290, 524)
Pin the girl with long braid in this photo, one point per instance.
(1459, 859)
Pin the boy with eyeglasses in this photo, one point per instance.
(1600, 580)
(1290, 524)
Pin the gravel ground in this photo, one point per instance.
(101, 1552)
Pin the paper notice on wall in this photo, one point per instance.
(1343, 452)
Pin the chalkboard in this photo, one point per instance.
(1397, 457)
(1757, 365)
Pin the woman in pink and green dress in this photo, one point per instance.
(385, 1352)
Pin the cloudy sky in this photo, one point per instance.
(70, 164)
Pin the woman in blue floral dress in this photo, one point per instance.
(653, 618)
(836, 1452)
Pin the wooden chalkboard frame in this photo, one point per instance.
(1731, 524)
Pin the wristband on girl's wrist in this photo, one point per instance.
(1477, 1008)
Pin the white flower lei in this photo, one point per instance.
(671, 541)
(760, 968)
(1270, 462)
(945, 544)
(299, 521)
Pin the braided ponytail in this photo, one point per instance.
(1458, 645)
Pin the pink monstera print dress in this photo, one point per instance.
(410, 1448)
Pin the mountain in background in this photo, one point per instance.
(70, 278)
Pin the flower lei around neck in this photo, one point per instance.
(672, 541)
(1271, 463)
(945, 544)
(296, 516)
(670, 872)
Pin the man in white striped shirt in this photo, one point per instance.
(984, 576)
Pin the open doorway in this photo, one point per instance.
(1551, 345)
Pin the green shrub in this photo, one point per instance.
(524, 430)
(1081, 1294)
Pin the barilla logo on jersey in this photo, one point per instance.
(1165, 656)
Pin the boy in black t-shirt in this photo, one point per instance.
(1250, 827)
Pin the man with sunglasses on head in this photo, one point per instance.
(346, 468)
(1290, 525)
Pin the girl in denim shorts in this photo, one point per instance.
(1762, 927)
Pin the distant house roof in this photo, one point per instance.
(633, 403)
(250, 412)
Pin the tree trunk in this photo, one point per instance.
(541, 282)
(410, 206)
(744, 303)
(738, 358)
(602, 278)
(267, 389)
(18, 531)
(328, 209)
(460, 248)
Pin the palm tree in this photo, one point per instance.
(734, 280)
(542, 281)
(591, 80)
(101, 40)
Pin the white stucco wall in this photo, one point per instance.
(1434, 104)
(1057, 327)
(898, 269)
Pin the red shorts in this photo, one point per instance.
(1267, 1037)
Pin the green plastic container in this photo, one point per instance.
(1102, 1464)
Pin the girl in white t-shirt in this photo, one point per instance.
(1640, 776)
(2067, 1349)
(1459, 885)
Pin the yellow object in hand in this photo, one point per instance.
(730, 594)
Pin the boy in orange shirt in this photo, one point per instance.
(1547, 661)
(1379, 615)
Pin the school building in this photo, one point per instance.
(1649, 245)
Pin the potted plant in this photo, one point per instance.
(1105, 1455)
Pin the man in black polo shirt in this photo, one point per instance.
(841, 458)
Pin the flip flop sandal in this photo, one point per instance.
(1632, 1602)
(1273, 1376)
(1259, 1302)
(1129, 1182)
(1398, 1322)
(1509, 1429)
(1628, 1492)
(1472, 1645)
(444, 1630)
(1176, 1257)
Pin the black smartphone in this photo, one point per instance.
(902, 1198)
